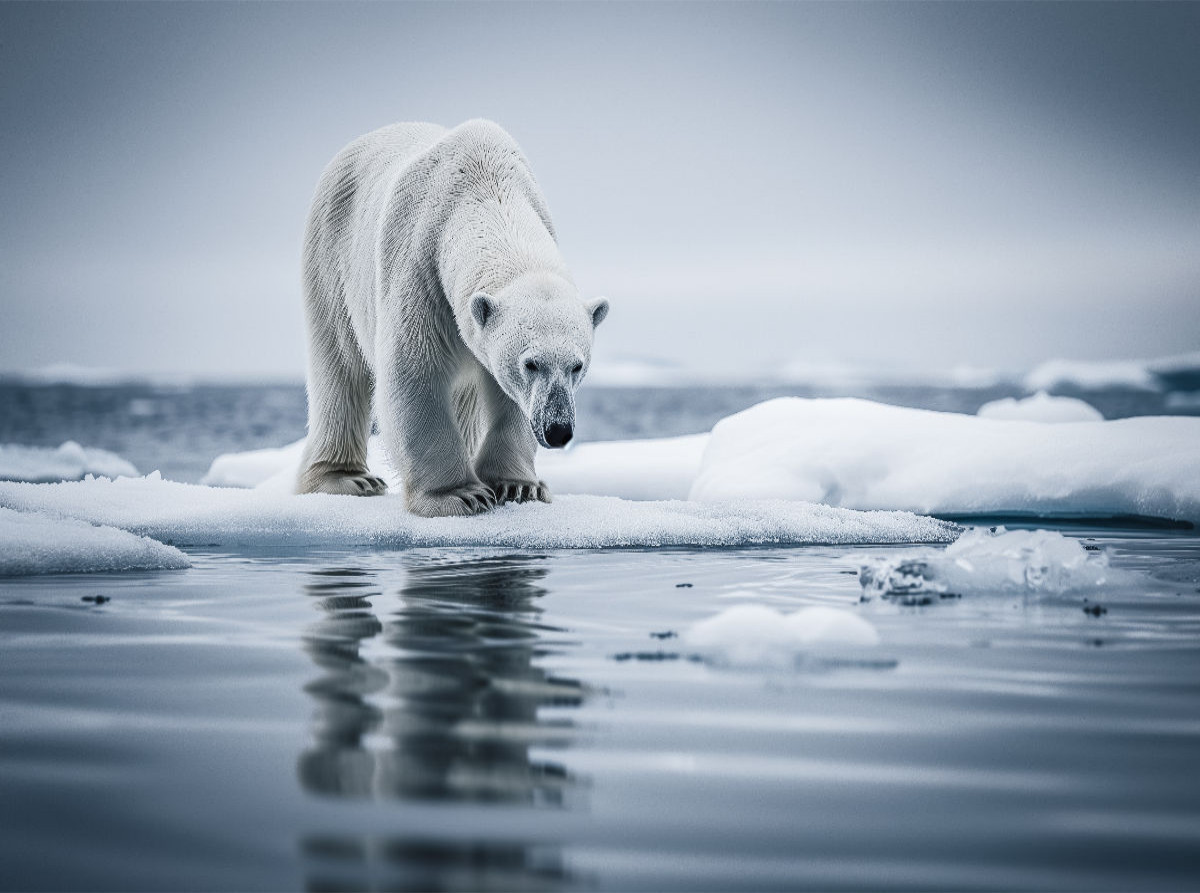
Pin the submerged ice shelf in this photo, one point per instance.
(37, 543)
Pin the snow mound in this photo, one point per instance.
(252, 468)
(663, 468)
(756, 635)
(999, 560)
(69, 462)
(1041, 407)
(42, 544)
(864, 455)
(196, 515)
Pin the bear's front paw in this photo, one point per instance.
(469, 499)
(343, 482)
(520, 491)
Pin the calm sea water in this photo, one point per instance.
(481, 720)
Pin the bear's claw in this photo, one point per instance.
(520, 491)
(346, 483)
(470, 499)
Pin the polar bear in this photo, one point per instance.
(433, 281)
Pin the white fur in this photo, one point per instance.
(432, 278)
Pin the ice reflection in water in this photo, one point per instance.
(438, 700)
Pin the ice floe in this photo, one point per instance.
(1041, 407)
(858, 454)
(756, 635)
(36, 543)
(69, 462)
(991, 560)
(193, 515)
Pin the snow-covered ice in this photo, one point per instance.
(37, 543)
(1041, 407)
(190, 514)
(864, 455)
(756, 635)
(992, 560)
(662, 468)
(69, 462)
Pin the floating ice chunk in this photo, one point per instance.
(191, 514)
(1041, 407)
(33, 543)
(999, 560)
(756, 635)
(69, 462)
(865, 455)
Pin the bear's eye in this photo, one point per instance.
(578, 367)
(531, 365)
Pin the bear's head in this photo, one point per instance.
(535, 337)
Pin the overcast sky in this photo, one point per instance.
(912, 186)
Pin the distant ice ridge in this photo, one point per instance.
(36, 543)
(999, 560)
(1179, 372)
(193, 515)
(1041, 407)
(69, 462)
(863, 455)
(759, 636)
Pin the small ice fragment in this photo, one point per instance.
(983, 560)
(755, 635)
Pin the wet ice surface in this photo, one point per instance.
(474, 719)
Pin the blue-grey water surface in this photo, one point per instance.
(478, 720)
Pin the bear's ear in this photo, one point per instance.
(483, 306)
(598, 309)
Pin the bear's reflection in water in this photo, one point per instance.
(437, 701)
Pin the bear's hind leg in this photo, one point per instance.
(339, 423)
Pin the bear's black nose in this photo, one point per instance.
(558, 434)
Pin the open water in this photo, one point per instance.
(489, 720)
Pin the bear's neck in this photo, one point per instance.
(491, 241)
